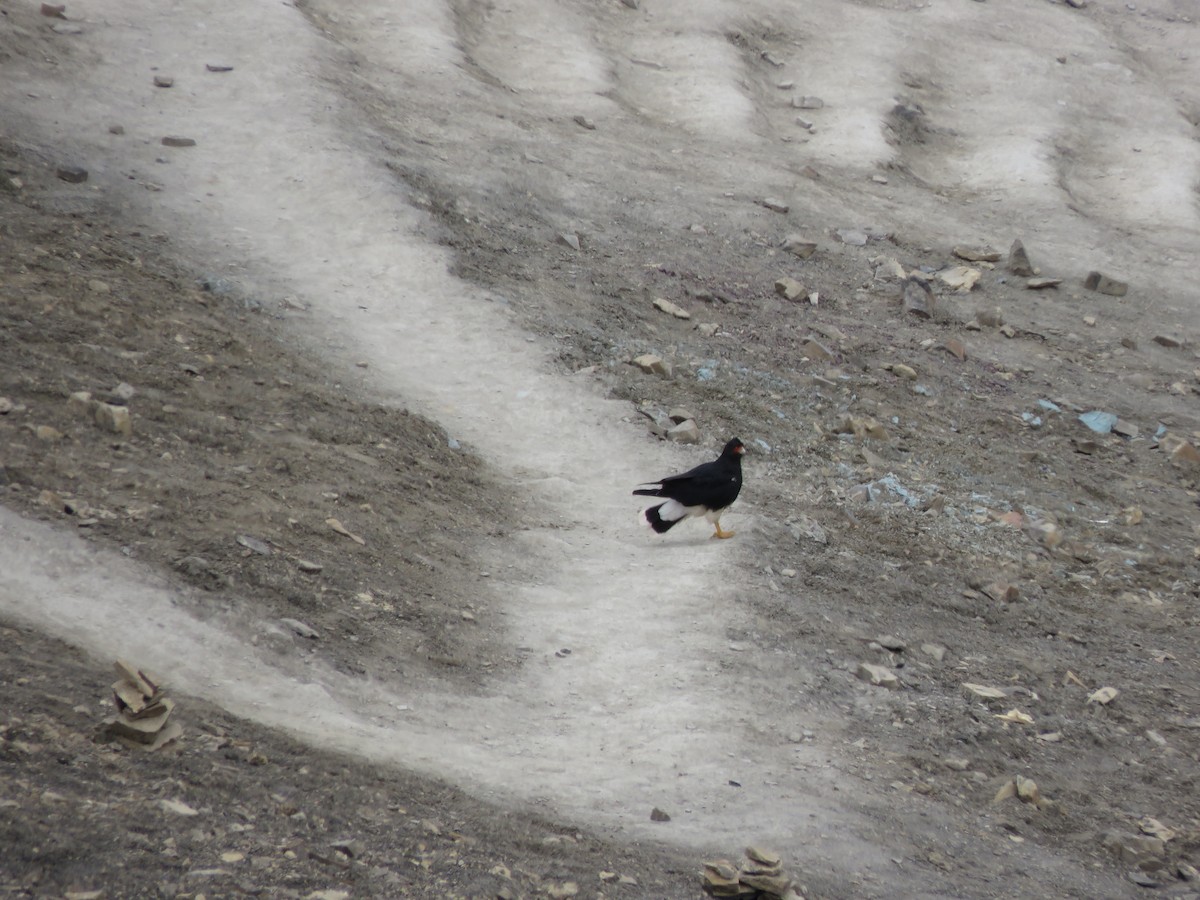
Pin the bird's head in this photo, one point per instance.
(734, 448)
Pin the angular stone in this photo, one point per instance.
(114, 418)
(1038, 284)
(163, 81)
(789, 288)
(880, 676)
(658, 815)
(853, 237)
(80, 403)
(568, 239)
(653, 365)
(774, 205)
(680, 414)
(48, 434)
(1018, 260)
(174, 140)
(984, 691)
(1097, 281)
(903, 371)
(72, 174)
(684, 433)
(707, 329)
(799, 246)
(1168, 341)
(937, 651)
(808, 103)
(918, 298)
(772, 885)
(816, 350)
(956, 348)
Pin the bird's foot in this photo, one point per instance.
(719, 533)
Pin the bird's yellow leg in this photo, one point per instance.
(721, 533)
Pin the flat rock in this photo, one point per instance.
(72, 174)
(707, 329)
(301, 628)
(1097, 281)
(671, 309)
(1169, 341)
(790, 288)
(977, 254)
(164, 81)
(652, 365)
(175, 140)
(799, 246)
(960, 278)
(1039, 284)
(1018, 260)
(852, 236)
(880, 676)
(774, 205)
(568, 239)
(584, 122)
(955, 348)
(808, 103)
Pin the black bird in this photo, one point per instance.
(707, 490)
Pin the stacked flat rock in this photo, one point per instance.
(143, 710)
(760, 876)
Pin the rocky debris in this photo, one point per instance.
(1168, 341)
(341, 529)
(671, 309)
(164, 81)
(112, 417)
(584, 122)
(217, 67)
(760, 876)
(54, 11)
(774, 205)
(989, 318)
(658, 815)
(977, 254)
(790, 288)
(865, 427)
(918, 298)
(879, 676)
(707, 329)
(806, 528)
(72, 174)
(806, 124)
(1001, 591)
(1025, 790)
(174, 140)
(1018, 260)
(799, 246)
(1040, 284)
(309, 568)
(853, 237)
(1142, 851)
(652, 365)
(568, 239)
(888, 269)
(143, 710)
(960, 278)
(1101, 283)
(808, 103)
(984, 691)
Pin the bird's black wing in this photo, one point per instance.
(713, 485)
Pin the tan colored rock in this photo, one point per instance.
(653, 365)
(799, 246)
(961, 278)
(977, 254)
(671, 309)
(114, 418)
(790, 288)
(880, 676)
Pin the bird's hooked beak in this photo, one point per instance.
(739, 449)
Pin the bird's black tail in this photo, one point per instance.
(657, 522)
